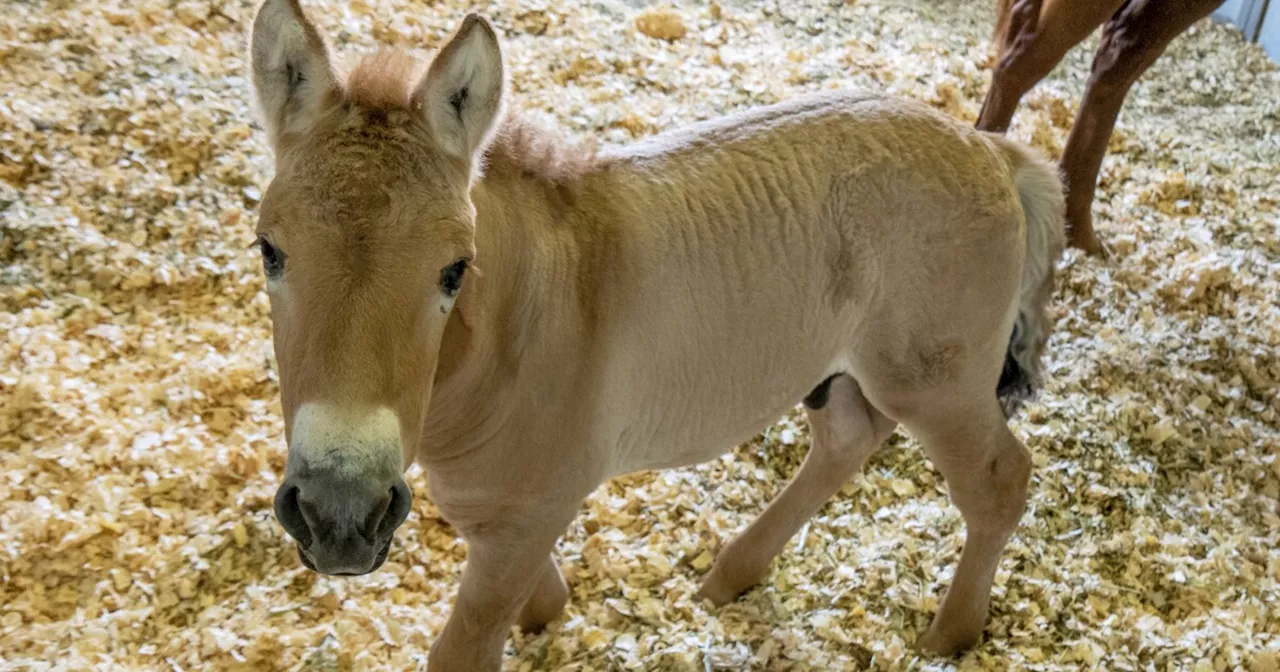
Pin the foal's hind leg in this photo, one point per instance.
(843, 433)
(987, 471)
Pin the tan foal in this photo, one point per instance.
(527, 320)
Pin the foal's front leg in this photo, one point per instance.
(507, 563)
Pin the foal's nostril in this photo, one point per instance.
(289, 513)
(373, 523)
(397, 509)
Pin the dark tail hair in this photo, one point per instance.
(1040, 192)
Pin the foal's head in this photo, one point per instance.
(366, 233)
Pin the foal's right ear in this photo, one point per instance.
(292, 72)
(461, 94)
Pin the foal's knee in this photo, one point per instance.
(991, 490)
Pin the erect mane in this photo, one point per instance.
(386, 80)
(522, 145)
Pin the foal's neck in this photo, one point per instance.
(542, 224)
(525, 318)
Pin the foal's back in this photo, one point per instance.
(767, 250)
(805, 187)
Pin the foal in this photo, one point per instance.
(647, 307)
(1034, 35)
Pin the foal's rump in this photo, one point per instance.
(967, 228)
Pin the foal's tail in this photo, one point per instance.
(1040, 191)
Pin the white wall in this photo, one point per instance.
(1245, 15)
(1269, 35)
(1230, 11)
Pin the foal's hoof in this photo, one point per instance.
(538, 614)
(531, 626)
(735, 571)
(940, 642)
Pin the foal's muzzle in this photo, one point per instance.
(343, 526)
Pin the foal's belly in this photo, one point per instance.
(690, 450)
(680, 411)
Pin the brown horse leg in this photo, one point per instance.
(843, 433)
(1132, 40)
(1038, 35)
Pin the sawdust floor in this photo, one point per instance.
(140, 435)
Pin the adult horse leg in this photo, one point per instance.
(1132, 39)
(844, 431)
(1034, 35)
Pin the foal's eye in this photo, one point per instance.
(272, 259)
(451, 277)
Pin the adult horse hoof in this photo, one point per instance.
(719, 591)
(1085, 239)
(947, 642)
(1091, 246)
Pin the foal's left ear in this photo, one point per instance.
(461, 94)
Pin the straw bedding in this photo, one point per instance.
(140, 430)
